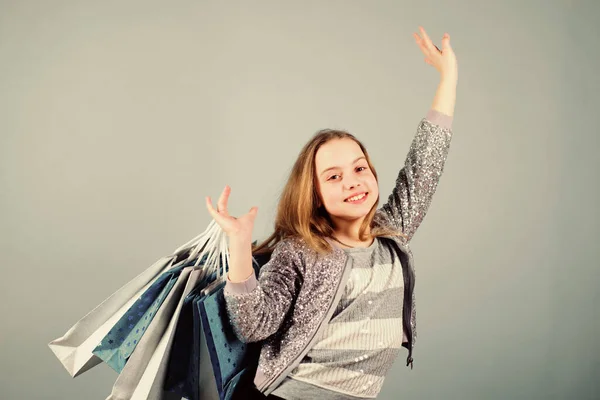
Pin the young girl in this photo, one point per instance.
(334, 304)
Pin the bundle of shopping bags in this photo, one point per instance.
(166, 332)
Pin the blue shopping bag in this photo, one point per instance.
(183, 364)
(207, 360)
(233, 363)
(116, 347)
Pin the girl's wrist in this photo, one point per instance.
(449, 78)
(240, 239)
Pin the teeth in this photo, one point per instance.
(360, 196)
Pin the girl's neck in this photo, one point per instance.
(348, 229)
(346, 243)
(349, 236)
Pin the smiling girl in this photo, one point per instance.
(334, 305)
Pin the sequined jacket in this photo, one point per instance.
(297, 290)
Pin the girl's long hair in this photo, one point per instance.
(300, 212)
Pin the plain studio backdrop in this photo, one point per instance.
(117, 118)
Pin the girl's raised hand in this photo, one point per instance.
(232, 226)
(443, 60)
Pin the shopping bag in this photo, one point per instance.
(185, 364)
(181, 374)
(116, 347)
(233, 363)
(182, 354)
(130, 376)
(202, 378)
(74, 348)
(151, 385)
(225, 365)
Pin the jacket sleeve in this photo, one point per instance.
(417, 181)
(257, 307)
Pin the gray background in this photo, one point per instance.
(117, 118)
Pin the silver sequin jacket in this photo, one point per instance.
(297, 290)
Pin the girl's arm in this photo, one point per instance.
(417, 181)
(445, 96)
(257, 307)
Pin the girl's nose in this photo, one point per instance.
(352, 185)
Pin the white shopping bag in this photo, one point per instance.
(152, 381)
(130, 376)
(74, 348)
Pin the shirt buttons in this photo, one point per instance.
(370, 301)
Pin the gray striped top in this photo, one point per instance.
(364, 336)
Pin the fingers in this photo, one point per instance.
(250, 215)
(213, 213)
(427, 41)
(222, 203)
(253, 211)
(424, 49)
(419, 41)
(445, 41)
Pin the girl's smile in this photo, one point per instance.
(361, 198)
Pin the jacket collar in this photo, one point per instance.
(380, 220)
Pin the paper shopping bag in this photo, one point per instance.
(233, 363)
(116, 347)
(180, 372)
(74, 348)
(130, 376)
(151, 385)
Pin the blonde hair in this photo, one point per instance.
(300, 212)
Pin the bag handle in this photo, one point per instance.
(211, 243)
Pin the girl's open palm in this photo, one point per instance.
(443, 60)
(232, 226)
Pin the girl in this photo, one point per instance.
(334, 304)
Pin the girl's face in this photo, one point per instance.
(342, 173)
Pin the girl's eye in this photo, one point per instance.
(358, 168)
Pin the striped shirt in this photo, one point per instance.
(363, 337)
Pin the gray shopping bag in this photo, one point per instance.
(152, 381)
(131, 375)
(74, 348)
